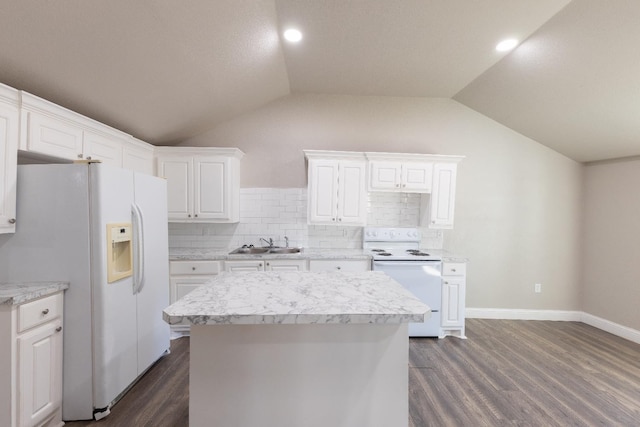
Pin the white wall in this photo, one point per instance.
(611, 254)
(518, 202)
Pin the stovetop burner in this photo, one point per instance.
(417, 252)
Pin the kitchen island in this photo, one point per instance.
(298, 348)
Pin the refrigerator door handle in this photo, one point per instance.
(138, 279)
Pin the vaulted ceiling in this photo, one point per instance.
(165, 70)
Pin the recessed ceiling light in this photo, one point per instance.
(505, 45)
(293, 35)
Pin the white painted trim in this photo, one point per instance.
(523, 314)
(558, 315)
(611, 327)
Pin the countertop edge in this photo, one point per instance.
(16, 293)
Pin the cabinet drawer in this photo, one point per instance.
(454, 269)
(39, 311)
(339, 265)
(194, 267)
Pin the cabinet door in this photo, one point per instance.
(385, 176)
(137, 159)
(178, 171)
(99, 147)
(235, 266)
(8, 167)
(352, 203)
(53, 137)
(182, 285)
(453, 294)
(212, 188)
(417, 177)
(323, 191)
(39, 373)
(443, 195)
(286, 265)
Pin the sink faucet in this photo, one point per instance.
(286, 242)
(269, 242)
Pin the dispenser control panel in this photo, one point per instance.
(119, 251)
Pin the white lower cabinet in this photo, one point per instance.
(266, 265)
(453, 298)
(31, 356)
(339, 265)
(185, 276)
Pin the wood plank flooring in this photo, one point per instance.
(507, 373)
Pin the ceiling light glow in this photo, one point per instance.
(506, 45)
(293, 35)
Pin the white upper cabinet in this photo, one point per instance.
(50, 131)
(408, 175)
(437, 211)
(100, 147)
(203, 184)
(9, 119)
(138, 156)
(337, 188)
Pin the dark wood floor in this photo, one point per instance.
(507, 373)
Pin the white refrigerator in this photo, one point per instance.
(113, 332)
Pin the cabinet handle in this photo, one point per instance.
(12, 220)
(45, 311)
(59, 328)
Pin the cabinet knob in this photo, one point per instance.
(268, 264)
(193, 268)
(80, 155)
(453, 269)
(397, 185)
(339, 219)
(189, 215)
(12, 220)
(404, 185)
(259, 264)
(333, 219)
(446, 283)
(88, 157)
(59, 328)
(196, 215)
(338, 268)
(45, 311)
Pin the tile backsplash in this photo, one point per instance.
(279, 212)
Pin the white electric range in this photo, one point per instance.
(397, 253)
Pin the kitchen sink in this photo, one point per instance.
(285, 250)
(250, 250)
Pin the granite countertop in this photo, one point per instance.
(176, 254)
(201, 254)
(19, 293)
(297, 298)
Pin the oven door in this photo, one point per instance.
(424, 280)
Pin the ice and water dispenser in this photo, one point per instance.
(119, 251)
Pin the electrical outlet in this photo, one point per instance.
(538, 288)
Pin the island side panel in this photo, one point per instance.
(292, 375)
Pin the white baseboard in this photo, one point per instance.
(611, 327)
(558, 315)
(522, 314)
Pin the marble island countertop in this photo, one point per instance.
(19, 293)
(297, 298)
